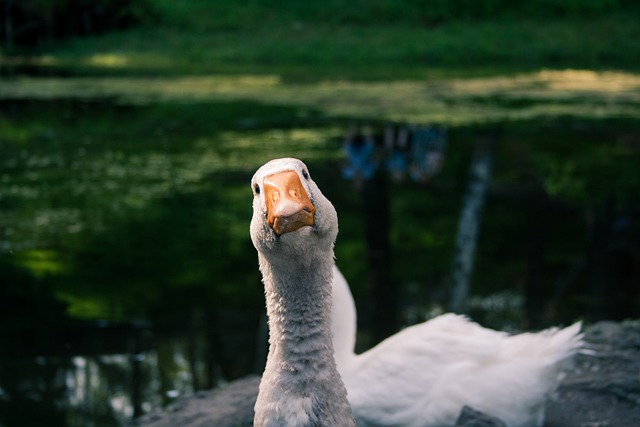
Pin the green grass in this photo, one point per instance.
(189, 43)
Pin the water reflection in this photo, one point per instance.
(117, 209)
(103, 389)
(545, 93)
(115, 388)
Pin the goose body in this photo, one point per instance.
(420, 377)
(423, 375)
(293, 229)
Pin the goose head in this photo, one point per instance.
(291, 216)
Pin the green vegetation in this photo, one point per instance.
(88, 161)
(355, 39)
(125, 153)
(125, 209)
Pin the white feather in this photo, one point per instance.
(423, 375)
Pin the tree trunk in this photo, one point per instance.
(535, 281)
(136, 372)
(468, 225)
(600, 288)
(8, 26)
(377, 226)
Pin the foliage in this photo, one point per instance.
(320, 51)
(132, 210)
(338, 37)
(32, 23)
(225, 15)
(127, 209)
(153, 209)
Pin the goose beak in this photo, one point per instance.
(288, 206)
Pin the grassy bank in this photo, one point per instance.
(340, 42)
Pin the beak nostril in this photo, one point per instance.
(288, 206)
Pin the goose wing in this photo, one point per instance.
(423, 375)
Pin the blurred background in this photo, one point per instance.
(483, 157)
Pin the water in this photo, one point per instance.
(103, 387)
(128, 276)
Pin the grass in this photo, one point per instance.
(298, 50)
(451, 101)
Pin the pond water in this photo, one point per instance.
(128, 276)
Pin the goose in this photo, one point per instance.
(425, 374)
(420, 377)
(293, 229)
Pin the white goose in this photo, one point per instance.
(293, 229)
(423, 375)
(420, 377)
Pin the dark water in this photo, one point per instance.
(129, 279)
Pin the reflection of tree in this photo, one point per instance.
(534, 236)
(28, 307)
(467, 234)
(613, 268)
(372, 158)
(139, 220)
(34, 389)
(167, 256)
(176, 258)
(149, 219)
(546, 207)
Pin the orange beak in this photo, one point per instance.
(288, 206)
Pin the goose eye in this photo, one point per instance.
(257, 189)
(305, 174)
